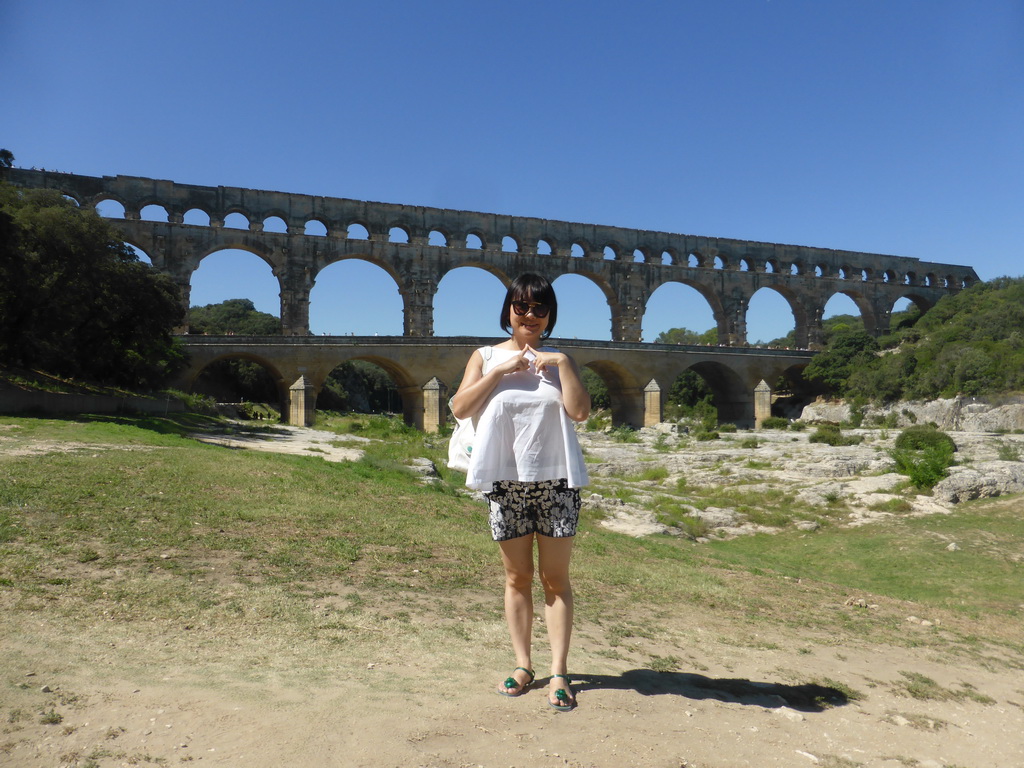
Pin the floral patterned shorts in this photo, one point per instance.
(547, 507)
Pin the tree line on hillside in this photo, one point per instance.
(75, 301)
(969, 343)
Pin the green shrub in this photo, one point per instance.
(693, 527)
(856, 417)
(704, 435)
(775, 422)
(924, 454)
(925, 468)
(889, 421)
(599, 421)
(920, 437)
(624, 434)
(726, 427)
(655, 474)
(798, 426)
(830, 434)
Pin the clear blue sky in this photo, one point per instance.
(885, 126)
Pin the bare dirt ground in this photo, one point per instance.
(111, 694)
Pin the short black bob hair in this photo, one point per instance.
(530, 287)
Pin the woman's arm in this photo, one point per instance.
(575, 398)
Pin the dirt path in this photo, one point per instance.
(136, 696)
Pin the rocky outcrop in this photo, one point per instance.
(981, 480)
(958, 414)
(731, 486)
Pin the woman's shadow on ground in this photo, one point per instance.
(808, 697)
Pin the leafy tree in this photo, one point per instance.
(924, 454)
(596, 387)
(6, 158)
(75, 301)
(686, 336)
(234, 316)
(832, 367)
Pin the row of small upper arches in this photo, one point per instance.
(509, 244)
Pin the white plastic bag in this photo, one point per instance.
(460, 446)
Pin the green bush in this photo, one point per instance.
(727, 427)
(924, 454)
(856, 417)
(599, 420)
(693, 527)
(926, 467)
(923, 436)
(830, 434)
(705, 435)
(624, 434)
(775, 422)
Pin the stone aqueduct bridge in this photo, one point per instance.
(423, 369)
(417, 246)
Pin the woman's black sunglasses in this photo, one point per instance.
(522, 307)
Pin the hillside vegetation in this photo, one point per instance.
(971, 343)
(75, 301)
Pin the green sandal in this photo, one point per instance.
(513, 687)
(565, 704)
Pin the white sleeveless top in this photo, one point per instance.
(523, 432)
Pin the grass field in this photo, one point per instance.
(130, 517)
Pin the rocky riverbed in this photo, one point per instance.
(764, 470)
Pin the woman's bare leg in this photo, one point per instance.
(517, 557)
(553, 560)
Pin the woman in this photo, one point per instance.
(528, 462)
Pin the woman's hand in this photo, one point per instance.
(514, 364)
(575, 398)
(476, 386)
(542, 360)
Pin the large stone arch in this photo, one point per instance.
(263, 254)
(154, 258)
(186, 268)
(918, 300)
(868, 314)
(801, 317)
(703, 289)
(730, 393)
(625, 391)
(402, 287)
(281, 382)
(409, 392)
(471, 313)
(604, 289)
